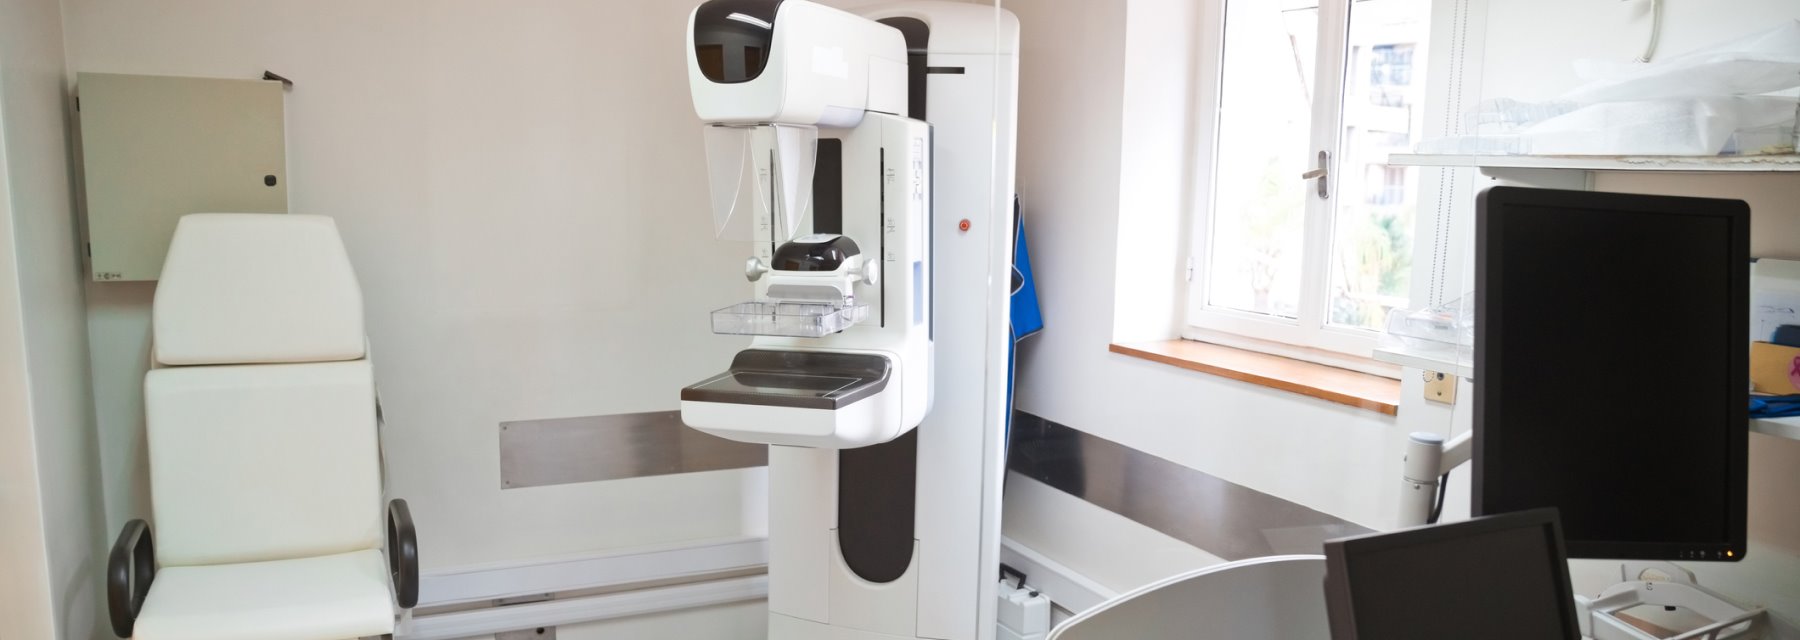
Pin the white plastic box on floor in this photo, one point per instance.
(1024, 613)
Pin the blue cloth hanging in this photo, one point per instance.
(1774, 406)
(1027, 317)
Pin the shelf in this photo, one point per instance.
(1769, 164)
(1425, 360)
(1779, 427)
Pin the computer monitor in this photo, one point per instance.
(1612, 368)
(1503, 577)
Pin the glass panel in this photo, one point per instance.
(728, 171)
(1265, 120)
(797, 156)
(739, 157)
(1383, 113)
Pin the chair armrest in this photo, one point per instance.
(129, 572)
(402, 554)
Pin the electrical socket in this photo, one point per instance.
(1440, 387)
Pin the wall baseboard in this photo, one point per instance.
(464, 602)
(551, 613)
(592, 571)
(472, 601)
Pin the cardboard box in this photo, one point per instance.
(1774, 368)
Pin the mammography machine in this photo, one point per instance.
(867, 159)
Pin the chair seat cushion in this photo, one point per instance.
(322, 598)
(261, 462)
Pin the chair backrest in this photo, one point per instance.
(245, 288)
(1273, 598)
(260, 414)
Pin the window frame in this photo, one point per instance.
(1310, 336)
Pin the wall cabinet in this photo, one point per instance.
(155, 148)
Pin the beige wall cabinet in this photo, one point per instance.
(155, 148)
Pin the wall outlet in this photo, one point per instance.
(1440, 387)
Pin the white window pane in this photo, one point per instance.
(1384, 94)
(1265, 113)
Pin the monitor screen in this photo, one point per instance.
(1611, 368)
(1502, 577)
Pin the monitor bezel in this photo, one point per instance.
(1340, 606)
(1489, 251)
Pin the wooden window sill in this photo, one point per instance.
(1343, 386)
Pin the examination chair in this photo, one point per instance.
(1273, 598)
(265, 462)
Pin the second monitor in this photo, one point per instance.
(1503, 577)
(1611, 368)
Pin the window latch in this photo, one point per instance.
(1322, 174)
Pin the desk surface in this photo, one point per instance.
(1779, 427)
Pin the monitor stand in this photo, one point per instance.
(1673, 586)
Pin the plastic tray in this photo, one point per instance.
(787, 319)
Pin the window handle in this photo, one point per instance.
(1322, 174)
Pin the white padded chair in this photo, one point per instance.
(1273, 598)
(265, 469)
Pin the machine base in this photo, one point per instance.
(784, 627)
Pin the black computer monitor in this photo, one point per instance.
(1503, 577)
(1612, 368)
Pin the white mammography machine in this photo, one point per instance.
(867, 158)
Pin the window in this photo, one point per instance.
(1304, 85)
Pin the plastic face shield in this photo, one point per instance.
(761, 178)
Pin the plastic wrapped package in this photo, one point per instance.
(1508, 114)
(1702, 103)
(1763, 62)
(1668, 127)
(1494, 127)
(1709, 126)
(1481, 144)
(1451, 323)
(1774, 139)
(1445, 333)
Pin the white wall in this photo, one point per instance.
(56, 410)
(25, 596)
(1103, 157)
(522, 189)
